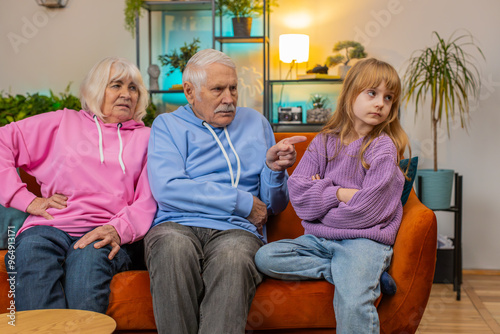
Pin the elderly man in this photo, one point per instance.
(216, 173)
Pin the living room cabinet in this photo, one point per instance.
(219, 39)
(328, 87)
(449, 261)
(169, 6)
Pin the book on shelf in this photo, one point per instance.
(316, 76)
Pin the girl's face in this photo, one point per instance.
(371, 107)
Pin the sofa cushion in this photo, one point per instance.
(4, 284)
(10, 221)
(412, 171)
(130, 301)
(293, 305)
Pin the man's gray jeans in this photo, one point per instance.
(202, 280)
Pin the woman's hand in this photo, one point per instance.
(108, 236)
(40, 205)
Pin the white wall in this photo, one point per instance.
(55, 48)
(43, 49)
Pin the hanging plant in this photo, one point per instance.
(132, 9)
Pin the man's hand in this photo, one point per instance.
(258, 215)
(108, 236)
(283, 154)
(40, 205)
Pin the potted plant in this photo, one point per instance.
(448, 75)
(178, 60)
(352, 50)
(319, 113)
(242, 12)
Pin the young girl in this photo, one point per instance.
(347, 190)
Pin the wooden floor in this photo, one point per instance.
(478, 311)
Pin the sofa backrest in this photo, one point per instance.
(31, 183)
(287, 225)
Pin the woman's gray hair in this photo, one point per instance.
(195, 71)
(93, 87)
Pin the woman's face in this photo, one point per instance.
(120, 100)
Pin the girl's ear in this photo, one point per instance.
(189, 92)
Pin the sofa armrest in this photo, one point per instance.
(412, 268)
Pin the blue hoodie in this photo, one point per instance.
(190, 176)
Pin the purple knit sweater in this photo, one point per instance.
(374, 212)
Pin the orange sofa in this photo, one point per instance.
(297, 307)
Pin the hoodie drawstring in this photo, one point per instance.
(101, 150)
(120, 159)
(101, 153)
(234, 183)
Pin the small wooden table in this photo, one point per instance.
(56, 321)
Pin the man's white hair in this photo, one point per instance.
(195, 71)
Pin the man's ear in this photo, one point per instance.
(189, 92)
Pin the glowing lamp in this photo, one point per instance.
(294, 48)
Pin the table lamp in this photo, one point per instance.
(293, 49)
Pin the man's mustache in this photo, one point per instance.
(225, 107)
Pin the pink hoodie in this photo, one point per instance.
(100, 167)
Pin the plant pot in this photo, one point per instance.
(343, 69)
(318, 115)
(242, 26)
(436, 188)
(177, 87)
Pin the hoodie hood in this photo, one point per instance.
(187, 114)
(128, 125)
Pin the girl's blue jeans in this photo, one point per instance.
(354, 266)
(53, 275)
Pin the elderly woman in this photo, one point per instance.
(91, 166)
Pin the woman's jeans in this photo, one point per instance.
(353, 265)
(202, 280)
(53, 275)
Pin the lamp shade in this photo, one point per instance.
(294, 47)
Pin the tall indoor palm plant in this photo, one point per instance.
(448, 74)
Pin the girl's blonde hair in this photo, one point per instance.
(93, 87)
(366, 74)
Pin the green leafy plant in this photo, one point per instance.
(151, 111)
(446, 73)
(179, 60)
(132, 9)
(17, 107)
(352, 50)
(243, 8)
